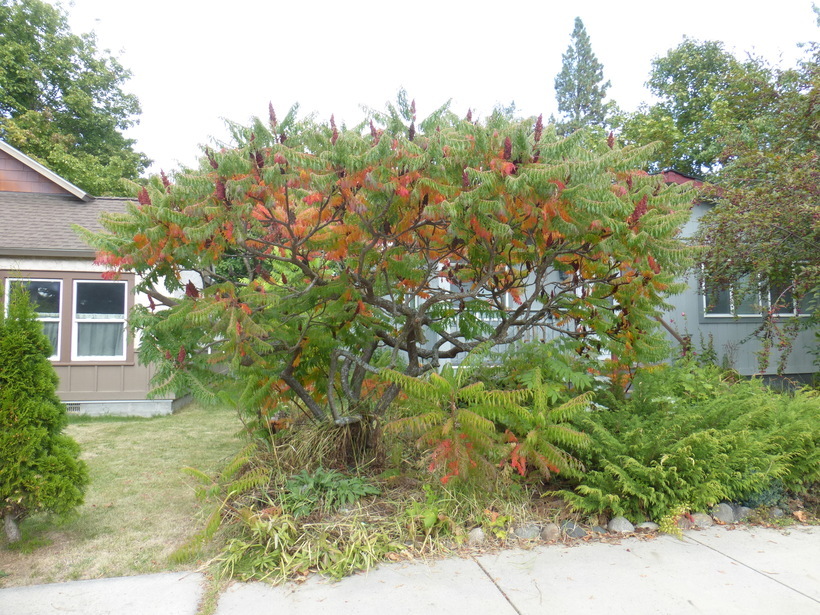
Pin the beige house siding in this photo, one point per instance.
(38, 242)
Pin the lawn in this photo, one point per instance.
(138, 508)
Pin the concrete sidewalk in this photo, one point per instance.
(728, 570)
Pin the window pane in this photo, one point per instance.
(44, 296)
(100, 299)
(808, 302)
(718, 301)
(100, 339)
(748, 304)
(781, 299)
(52, 331)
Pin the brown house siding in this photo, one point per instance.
(17, 177)
(95, 380)
(103, 382)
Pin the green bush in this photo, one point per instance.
(689, 438)
(39, 466)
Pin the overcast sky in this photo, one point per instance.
(194, 63)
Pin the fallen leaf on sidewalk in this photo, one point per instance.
(800, 515)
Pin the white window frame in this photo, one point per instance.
(75, 322)
(795, 306)
(765, 301)
(58, 319)
(732, 303)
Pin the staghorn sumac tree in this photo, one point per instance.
(324, 254)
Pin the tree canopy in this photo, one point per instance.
(62, 100)
(579, 87)
(704, 94)
(324, 254)
(761, 239)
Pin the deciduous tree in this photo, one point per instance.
(705, 93)
(324, 254)
(762, 238)
(61, 99)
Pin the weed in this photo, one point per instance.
(328, 490)
(496, 523)
(428, 517)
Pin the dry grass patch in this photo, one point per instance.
(138, 508)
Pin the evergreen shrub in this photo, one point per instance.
(689, 437)
(39, 466)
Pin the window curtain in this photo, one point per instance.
(52, 330)
(100, 339)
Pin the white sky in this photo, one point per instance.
(196, 62)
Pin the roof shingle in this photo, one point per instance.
(40, 224)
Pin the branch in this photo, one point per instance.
(165, 300)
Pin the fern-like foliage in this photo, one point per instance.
(240, 477)
(471, 431)
(690, 438)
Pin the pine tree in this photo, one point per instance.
(579, 87)
(39, 466)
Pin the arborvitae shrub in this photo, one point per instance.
(39, 466)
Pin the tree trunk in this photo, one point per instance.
(12, 530)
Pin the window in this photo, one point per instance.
(730, 301)
(45, 297)
(98, 329)
(784, 304)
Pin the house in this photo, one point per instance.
(84, 315)
(712, 317)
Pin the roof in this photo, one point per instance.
(671, 176)
(41, 224)
(38, 209)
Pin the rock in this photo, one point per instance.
(723, 513)
(776, 513)
(742, 513)
(476, 537)
(620, 525)
(529, 531)
(702, 520)
(649, 526)
(550, 532)
(572, 529)
(685, 523)
(597, 529)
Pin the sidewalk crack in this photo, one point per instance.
(760, 572)
(497, 586)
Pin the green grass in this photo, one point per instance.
(138, 508)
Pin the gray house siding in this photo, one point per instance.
(732, 337)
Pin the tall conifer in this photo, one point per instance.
(579, 87)
(39, 465)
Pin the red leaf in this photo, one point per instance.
(143, 198)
